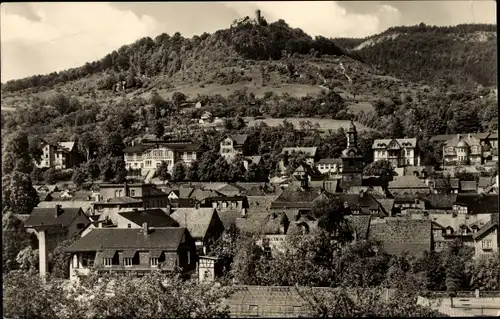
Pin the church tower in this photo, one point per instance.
(352, 161)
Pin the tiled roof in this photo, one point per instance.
(468, 185)
(407, 182)
(138, 148)
(239, 139)
(309, 151)
(84, 205)
(229, 216)
(167, 238)
(200, 194)
(485, 182)
(479, 203)
(183, 192)
(359, 224)
(337, 161)
(485, 229)
(47, 216)
(195, 220)
(399, 143)
(66, 146)
(387, 204)
(153, 217)
(398, 235)
(292, 196)
(364, 202)
(231, 188)
(183, 202)
(454, 183)
(440, 201)
(22, 217)
(469, 140)
(121, 200)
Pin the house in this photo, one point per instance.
(249, 160)
(134, 250)
(486, 238)
(462, 150)
(363, 203)
(329, 166)
(297, 199)
(231, 190)
(274, 232)
(233, 145)
(476, 204)
(444, 185)
(150, 195)
(398, 235)
(309, 153)
(400, 152)
(52, 226)
(209, 269)
(149, 155)
(203, 224)
(62, 155)
(206, 117)
(108, 210)
(408, 185)
(135, 218)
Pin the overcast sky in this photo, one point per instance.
(39, 38)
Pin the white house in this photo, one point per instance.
(400, 152)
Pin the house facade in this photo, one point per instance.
(329, 166)
(233, 145)
(463, 150)
(150, 195)
(133, 250)
(62, 155)
(399, 152)
(150, 154)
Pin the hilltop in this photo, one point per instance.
(255, 68)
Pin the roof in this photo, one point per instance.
(167, 238)
(66, 146)
(138, 148)
(364, 202)
(460, 139)
(468, 185)
(274, 223)
(440, 201)
(47, 216)
(22, 217)
(292, 195)
(153, 217)
(407, 182)
(387, 204)
(479, 203)
(200, 194)
(309, 151)
(448, 137)
(489, 225)
(239, 139)
(121, 200)
(265, 297)
(398, 235)
(337, 161)
(253, 159)
(183, 202)
(485, 182)
(195, 220)
(394, 143)
(229, 216)
(183, 192)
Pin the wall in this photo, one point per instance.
(493, 236)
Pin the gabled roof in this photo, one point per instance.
(469, 140)
(47, 216)
(323, 161)
(138, 148)
(297, 197)
(66, 146)
(440, 201)
(407, 182)
(484, 230)
(398, 235)
(468, 185)
(195, 220)
(238, 139)
(183, 202)
(183, 192)
(308, 151)
(231, 188)
(153, 217)
(396, 143)
(98, 239)
(200, 194)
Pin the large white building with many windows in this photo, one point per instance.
(150, 154)
(400, 152)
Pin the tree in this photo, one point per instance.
(14, 240)
(61, 259)
(246, 261)
(92, 169)
(192, 173)
(27, 259)
(236, 171)
(113, 169)
(379, 168)
(395, 128)
(87, 144)
(18, 193)
(178, 98)
(49, 176)
(159, 129)
(178, 172)
(225, 247)
(163, 172)
(483, 272)
(8, 162)
(113, 146)
(79, 176)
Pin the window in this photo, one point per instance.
(132, 192)
(253, 310)
(129, 225)
(189, 257)
(486, 244)
(108, 262)
(154, 262)
(127, 262)
(449, 231)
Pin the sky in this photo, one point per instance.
(40, 38)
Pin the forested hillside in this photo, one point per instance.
(464, 55)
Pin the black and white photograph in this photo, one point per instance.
(273, 159)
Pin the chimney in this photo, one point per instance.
(125, 188)
(59, 210)
(243, 212)
(145, 229)
(469, 136)
(169, 209)
(458, 136)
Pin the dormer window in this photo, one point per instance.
(449, 231)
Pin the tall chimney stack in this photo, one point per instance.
(258, 16)
(145, 229)
(58, 210)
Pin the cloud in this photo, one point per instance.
(325, 18)
(67, 35)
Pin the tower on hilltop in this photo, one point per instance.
(258, 16)
(352, 161)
